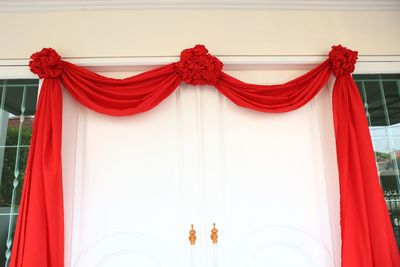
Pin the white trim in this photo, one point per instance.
(69, 5)
(17, 68)
(377, 67)
(228, 60)
(16, 72)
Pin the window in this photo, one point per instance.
(17, 107)
(381, 96)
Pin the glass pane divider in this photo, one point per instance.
(375, 80)
(388, 129)
(11, 221)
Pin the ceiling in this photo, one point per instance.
(63, 5)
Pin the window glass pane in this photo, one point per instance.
(17, 107)
(381, 97)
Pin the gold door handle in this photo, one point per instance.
(214, 234)
(192, 236)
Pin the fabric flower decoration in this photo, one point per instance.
(46, 63)
(343, 60)
(198, 67)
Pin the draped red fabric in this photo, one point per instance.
(120, 97)
(367, 236)
(39, 234)
(275, 98)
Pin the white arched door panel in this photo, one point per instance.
(281, 247)
(271, 181)
(128, 249)
(133, 185)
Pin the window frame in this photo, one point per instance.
(9, 71)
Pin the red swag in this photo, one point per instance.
(367, 236)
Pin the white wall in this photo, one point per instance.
(166, 33)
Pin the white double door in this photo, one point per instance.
(134, 185)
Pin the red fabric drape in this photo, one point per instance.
(275, 98)
(367, 236)
(39, 234)
(115, 96)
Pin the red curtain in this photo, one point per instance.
(367, 236)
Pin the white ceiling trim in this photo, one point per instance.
(71, 5)
(383, 64)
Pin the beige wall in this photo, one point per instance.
(165, 33)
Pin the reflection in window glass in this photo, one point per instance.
(381, 96)
(17, 108)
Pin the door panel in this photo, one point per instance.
(272, 184)
(134, 185)
(128, 195)
(271, 181)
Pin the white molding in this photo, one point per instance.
(71, 5)
(366, 64)
(16, 72)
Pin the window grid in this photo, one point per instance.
(12, 219)
(17, 106)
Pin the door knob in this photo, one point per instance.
(192, 236)
(214, 234)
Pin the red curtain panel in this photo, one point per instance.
(367, 236)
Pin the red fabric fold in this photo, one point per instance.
(39, 234)
(276, 98)
(367, 236)
(120, 97)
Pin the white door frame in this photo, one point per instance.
(18, 69)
